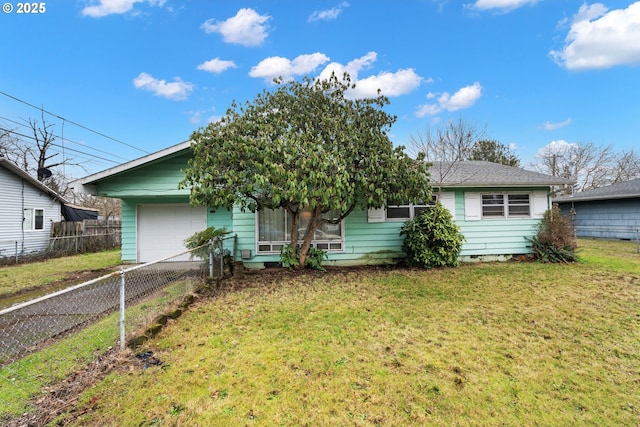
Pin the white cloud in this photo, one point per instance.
(502, 5)
(177, 90)
(277, 66)
(463, 98)
(554, 126)
(109, 7)
(247, 28)
(390, 84)
(557, 148)
(216, 65)
(352, 68)
(329, 14)
(599, 38)
(195, 117)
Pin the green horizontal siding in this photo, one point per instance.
(220, 218)
(494, 236)
(244, 227)
(160, 178)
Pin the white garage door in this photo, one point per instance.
(162, 229)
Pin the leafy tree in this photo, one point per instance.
(305, 145)
(493, 151)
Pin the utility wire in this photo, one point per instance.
(72, 122)
(92, 156)
(65, 139)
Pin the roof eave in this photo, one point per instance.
(87, 181)
(24, 175)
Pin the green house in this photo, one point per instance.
(497, 208)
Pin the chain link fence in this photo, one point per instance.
(45, 339)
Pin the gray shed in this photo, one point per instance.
(611, 212)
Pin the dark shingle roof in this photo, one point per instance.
(477, 173)
(620, 190)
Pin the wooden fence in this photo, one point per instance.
(85, 236)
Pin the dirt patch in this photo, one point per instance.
(62, 398)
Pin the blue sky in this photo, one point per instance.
(127, 77)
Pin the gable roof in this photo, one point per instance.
(78, 184)
(619, 190)
(13, 168)
(477, 173)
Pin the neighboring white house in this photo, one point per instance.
(28, 209)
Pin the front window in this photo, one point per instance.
(506, 205)
(407, 211)
(274, 230)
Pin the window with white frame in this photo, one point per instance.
(409, 210)
(33, 219)
(274, 231)
(506, 205)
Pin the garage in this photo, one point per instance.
(163, 228)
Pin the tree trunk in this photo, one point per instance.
(308, 236)
(295, 215)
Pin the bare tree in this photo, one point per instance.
(108, 208)
(36, 153)
(588, 165)
(626, 166)
(446, 146)
(451, 142)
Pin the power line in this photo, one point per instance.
(72, 122)
(65, 139)
(92, 156)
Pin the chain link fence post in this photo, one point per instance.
(122, 309)
(211, 259)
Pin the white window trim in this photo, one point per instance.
(538, 205)
(314, 243)
(447, 198)
(411, 207)
(505, 206)
(32, 225)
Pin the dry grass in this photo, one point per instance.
(484, 345)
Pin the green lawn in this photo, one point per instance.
(21, 277)
(498, 344)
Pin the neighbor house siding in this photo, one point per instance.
(17, 194)
(611, 219)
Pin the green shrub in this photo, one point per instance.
(290, 257)
(201, 238)
(432, 239)
(555, 240)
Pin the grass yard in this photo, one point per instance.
(21, 278)
(505, 344)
